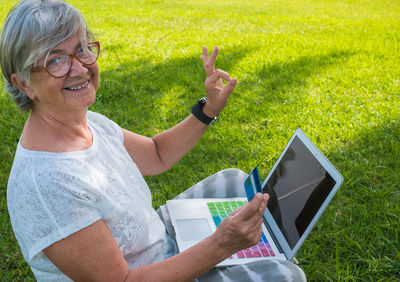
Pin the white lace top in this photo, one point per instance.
(52, 195)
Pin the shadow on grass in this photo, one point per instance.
(274, 83)
(358, 236)
(12, 121)
(139, 87)
(12, 266)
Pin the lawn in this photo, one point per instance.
(329, 67)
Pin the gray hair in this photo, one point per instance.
(31, 30)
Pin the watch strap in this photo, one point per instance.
(198, 112)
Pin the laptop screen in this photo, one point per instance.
(298, 187)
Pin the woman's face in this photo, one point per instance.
(73, 92)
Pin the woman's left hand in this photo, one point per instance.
(217, 92)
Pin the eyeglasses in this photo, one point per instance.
(60, 65)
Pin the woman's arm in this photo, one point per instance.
(92, 254)
(157, 154)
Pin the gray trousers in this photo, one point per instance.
(226, 184)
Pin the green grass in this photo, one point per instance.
(330, 67)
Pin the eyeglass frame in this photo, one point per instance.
(73, 55)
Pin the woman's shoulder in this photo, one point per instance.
(38, 178)
(36, 166)
(40, 168)
(103, 124)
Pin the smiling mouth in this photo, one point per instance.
(77, 87)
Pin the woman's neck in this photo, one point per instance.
(56, 132)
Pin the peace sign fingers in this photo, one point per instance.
(208, 61)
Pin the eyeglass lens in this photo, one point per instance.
(59, 66)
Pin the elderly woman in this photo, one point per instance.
(78, 203)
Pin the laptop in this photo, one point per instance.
(301, 184)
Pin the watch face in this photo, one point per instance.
(202, 101)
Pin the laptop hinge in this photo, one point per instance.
(273, 236)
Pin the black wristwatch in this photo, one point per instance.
(198, 113)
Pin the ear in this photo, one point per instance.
(23, 86)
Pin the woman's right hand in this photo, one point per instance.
(242, 228)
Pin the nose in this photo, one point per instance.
(77, 68)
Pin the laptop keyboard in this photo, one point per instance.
(220, 210)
